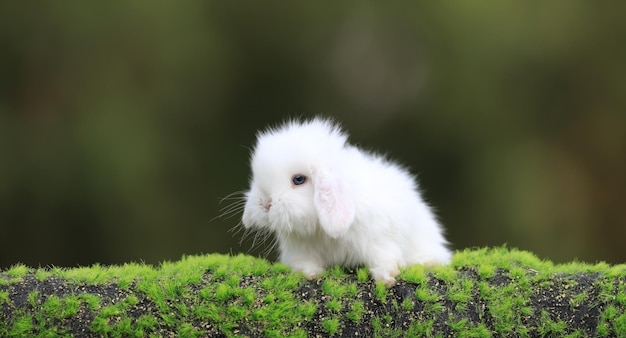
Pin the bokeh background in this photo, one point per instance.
(122, 124)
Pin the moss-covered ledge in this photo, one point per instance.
(484, 292)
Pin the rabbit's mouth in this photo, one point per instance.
(266, 204)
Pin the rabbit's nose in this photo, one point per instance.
(267, 204)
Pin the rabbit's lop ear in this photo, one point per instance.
(334, 205)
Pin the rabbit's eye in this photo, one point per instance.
(298, 179)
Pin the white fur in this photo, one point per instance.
(355, 208)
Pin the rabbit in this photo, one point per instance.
(331, 203)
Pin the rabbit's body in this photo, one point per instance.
(353, 208)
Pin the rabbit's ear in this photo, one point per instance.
(334, 205)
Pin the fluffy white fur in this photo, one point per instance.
(355, 207)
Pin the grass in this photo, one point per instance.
(356, 313)
(381, 292)
(334, 288)
(484, 292)
(331, 326)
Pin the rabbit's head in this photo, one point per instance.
(296, 185)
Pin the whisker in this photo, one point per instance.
(231, 212)
(260, 236)
(237, 202)
(234, 208)
(234, 195)
(234, 205)
(270, 248)
(237, 229)
(257, 235)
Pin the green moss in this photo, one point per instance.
(209, 312)
(607, 292)
(461, 292)
(352, 290)
(464, 328)
(620, 297)
(70, 306)
(356, 313)
(362, 275)
(602, 330)
(382, 329)
(381, 291)
(445, 273)
(483, 292)
(459, 326)
(42, 274)
(509, 310)
(334, 288)
(146, 323)
(486, 271)
(615, 271)
(416, 274)
(237, 312)
(248, 295)
(576, 334)
(479, 331)
(549, 327)
(500, 258)
(407, 304)
(334, 305)
(33, 298)
(420, 328)
(426, 294)
(22, 326)
(223, 292)
(18, 270)
(619, 325)
(307, 310)
(4, 298)
(187, 330)
(331, 326)
(578, 299)
(335, 271)
(110, 311)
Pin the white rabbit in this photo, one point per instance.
(331, 203)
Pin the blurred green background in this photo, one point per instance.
(122, 124)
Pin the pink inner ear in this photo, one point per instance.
(335, 208)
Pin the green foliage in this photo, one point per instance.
(619, 325)
(381, 329)
(307, 309)
(4, 297)
(461, 292)
(22, 326)
(417, 274)
(579, 299)
(33, 298)
(356, 312)
(381, 291)
(146, 323)
(423, 328)
(351, 290)
(334, 305)
(216, 294)
(331, 326)
(549, 327)
(426, 294)
(486, 270)
(407, 304)
(18, 270)
(334, 288)
(362, 275)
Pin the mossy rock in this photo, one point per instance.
(484, 292)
